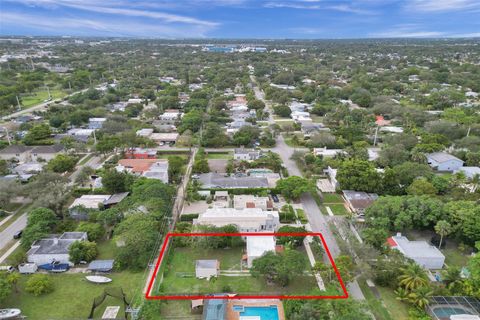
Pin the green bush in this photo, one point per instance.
(188, 217)
(287, 214)
(39, 284)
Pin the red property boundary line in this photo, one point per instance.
(237, 297)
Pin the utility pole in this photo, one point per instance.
(48, 90)
(70, 85)
(8, 137)
(376, 134)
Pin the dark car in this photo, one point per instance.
(18, 234)
(274, 198)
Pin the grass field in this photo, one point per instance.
(73, 296)
(219, 155)
(180, 277)
(40, 96)
(332, 198)
(376, 305)
(453, 257)
(338, 209)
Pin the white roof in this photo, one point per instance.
(258, 245)
(441, 157)
(416, 249)
(97, 119)
(246, 217)
(90, 201)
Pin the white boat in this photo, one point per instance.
(9, 313)
(98, 279)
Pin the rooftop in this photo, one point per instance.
(441, 157)
(206, 264)
(414, 249)
(258, 245)
(56, 245)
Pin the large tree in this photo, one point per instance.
(358, 175)
(293, 187)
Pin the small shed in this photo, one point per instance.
(207, 268)
(101, 265)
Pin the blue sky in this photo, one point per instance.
(314, 19)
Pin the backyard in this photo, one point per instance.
(180, 277)
(72, 296)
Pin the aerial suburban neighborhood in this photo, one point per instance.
(252, 177)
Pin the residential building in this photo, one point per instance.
(214, 180)
(251, 201)
(141, 153)
(205, 269)
(146, 132)
(88, 201)
(18, 152)
(246, 220)
(163, 138)
(469, 172)
(46, 153)
(170, 116)
(257, 246)
(54, 248)
(81, 135)
(149, 168)
(242, 154)
(443, 161)
(28, 168)
(327, 153)
(358, 201)
(421, 252)
(96, 123)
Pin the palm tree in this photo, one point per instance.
(402, 294)
(421, 296)
(453, 279)
(475, 182)
(443, 228)
(413, 276)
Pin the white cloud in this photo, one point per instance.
(308, 5)
(349, 9)
(115, 8)
(442, 5)
(118, 27)
(307, 30)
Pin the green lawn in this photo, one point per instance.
(73, 296)
(181, 275)
(376, 306)
(398, 309)
(172, 309)
(40, 96)
(220, 155)
(338, 209)
(453, 257)
(332, 198)
(301, 216)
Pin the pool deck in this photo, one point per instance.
(235, 315)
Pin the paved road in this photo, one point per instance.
(94, 162)
(7, 234)
(318, 222)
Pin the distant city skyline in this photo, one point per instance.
(294, 19)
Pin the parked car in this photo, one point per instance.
(18, 234)
(274, 197)
(7, 268)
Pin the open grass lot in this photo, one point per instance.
(73, 296)
(376, 305)
(338, 209)
(220, 155)
(175, 309)
(40, 96)
(332, 198)
(180, 277)
(454, 257)
(397, 309)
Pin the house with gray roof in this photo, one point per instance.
(205, 269)
(17, 152)
(421, 252)
(469, 172)
(54, 248)
(218, 181)
(443, 161)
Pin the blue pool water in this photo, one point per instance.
(446, 312)
(265, 313)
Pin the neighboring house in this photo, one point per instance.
(28, 168)
(242, 154)
(327, 153)
(46, 153)
(170, 117)
(149, 168)
(358, 201)
(96, 123)
(81, 135)
(214, 180)
(421, 252)
(251, 201)
(391, 129)
(31, 153)
(469, 172)
(443, 161)
(141, 153)
(146, 132)
(54, 248)
(88, 201)
(18, 152)
(205, 269)
(163, 138)
(257, 246)
(246, 220)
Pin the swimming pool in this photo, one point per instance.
(265, 313)
(446, 312)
